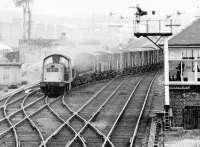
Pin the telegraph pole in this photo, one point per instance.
(171, 25)
(25, 4)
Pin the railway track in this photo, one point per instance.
(16, 98)
(75, 117)
(141, 135)
(13, 120)
(105, 115)
(95, 135)
(110, 117)
(84, 121)
(19, 122)
(125, 129)
(23, 116)
(65, 132)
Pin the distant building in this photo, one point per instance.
(4, 49)
(9, 65)
(10, 73)
(12, 31)
(12, 57)
(35, 49)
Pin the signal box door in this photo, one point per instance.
(191, 117)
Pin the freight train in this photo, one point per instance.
(59, 74)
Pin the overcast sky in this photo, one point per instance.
(87, 7)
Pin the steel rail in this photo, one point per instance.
(30, 121)
(19, 90)
(132, 139)
(85, 125)
(84, 120)
(16, 100)
(88, 122)
(64, 124)
(30, 115)
(7, 117)
(12, 102)
(107, 139)
(76, 112)
(17, 142)
(30, 104)
(14, 130)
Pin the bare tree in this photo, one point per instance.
(26, 5)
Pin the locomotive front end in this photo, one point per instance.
(53, 73)
(56, 75)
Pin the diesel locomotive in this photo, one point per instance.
(57, 75)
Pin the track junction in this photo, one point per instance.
(111, 114)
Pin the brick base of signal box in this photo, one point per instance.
(185, 108)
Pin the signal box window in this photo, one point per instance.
(175, 71)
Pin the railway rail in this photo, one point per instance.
(27, 114)
(20, 117)
(111, 117)
(75, 113)
(86, 122)
(130, 117)
(14, 118)
(107, 136)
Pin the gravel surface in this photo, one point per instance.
(157, 94)
(78, 97)
(183, 143)
(182, 138)
(156, 104)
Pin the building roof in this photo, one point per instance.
(10, 64)
(136, 42)
(139, 44)
(39, 42)
(141, 49)
(190, 36)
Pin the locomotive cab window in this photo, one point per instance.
(56, 59)
(65, 62)
(48, 60)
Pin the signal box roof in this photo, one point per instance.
(190, 36)
(140, 49)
